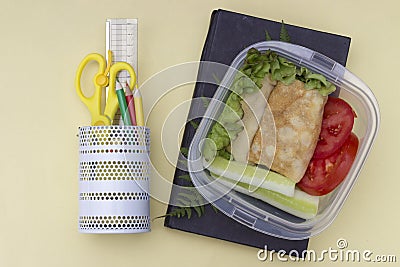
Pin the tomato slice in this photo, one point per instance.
(337, 123)
(324, 175)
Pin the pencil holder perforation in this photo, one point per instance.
(114, 169)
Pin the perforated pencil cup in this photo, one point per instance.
(114, 168)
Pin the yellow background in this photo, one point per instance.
(41, 45)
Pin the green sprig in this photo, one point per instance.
(185, 177)
(206, 101)
(185, 151)
(194, 124)
(188, 200)
(267, 36)
(284, 35)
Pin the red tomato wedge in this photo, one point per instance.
(324, 175)
(337, 123)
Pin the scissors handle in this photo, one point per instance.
(112, 99)
(93, 103)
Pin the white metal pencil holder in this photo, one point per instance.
(114, 169)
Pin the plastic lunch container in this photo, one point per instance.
(259, 215)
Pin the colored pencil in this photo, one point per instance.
(122, 104)
(131, 104)
(137, 97)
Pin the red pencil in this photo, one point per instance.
(131, 104)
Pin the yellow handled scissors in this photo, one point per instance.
(106, 76)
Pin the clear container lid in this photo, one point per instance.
(259, 215)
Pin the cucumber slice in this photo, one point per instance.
(254, 176)
(301, 204)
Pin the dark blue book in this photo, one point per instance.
(228, 34)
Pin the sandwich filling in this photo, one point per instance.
(297, 115)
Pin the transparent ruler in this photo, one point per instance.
(122, 40)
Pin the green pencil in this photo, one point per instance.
(122, 104)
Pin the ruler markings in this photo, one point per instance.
(121, 39)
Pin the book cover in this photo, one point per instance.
(228, 34)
